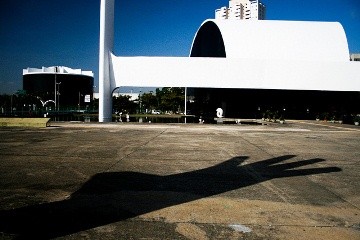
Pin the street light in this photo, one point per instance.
(140, 101)
(80, 95)
(57, 91)
(11, 104)
(57, 95)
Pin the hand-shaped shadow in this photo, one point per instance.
(115, 196)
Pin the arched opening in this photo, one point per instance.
(208, 42)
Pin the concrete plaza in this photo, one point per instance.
(299, 180)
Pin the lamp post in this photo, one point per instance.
(79, 104)
(140, 101)
(185, 107)
(57, 91)
(11, 104)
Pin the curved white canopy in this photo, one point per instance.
(251, 54)
(278, 40)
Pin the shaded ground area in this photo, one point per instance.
(174, 181)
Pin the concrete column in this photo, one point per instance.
(106, 47)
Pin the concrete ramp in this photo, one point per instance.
(25, 122)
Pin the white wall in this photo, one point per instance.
(236, 73)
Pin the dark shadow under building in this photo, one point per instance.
(290, 104)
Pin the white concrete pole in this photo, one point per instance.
(106, 47)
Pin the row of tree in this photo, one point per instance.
(19, 102)
(165, 100)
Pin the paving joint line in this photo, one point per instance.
(137, 219)
(330, 126)
(136, 149)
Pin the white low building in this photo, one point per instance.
(133, 96)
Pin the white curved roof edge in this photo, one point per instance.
(283, 40)
(58, 70)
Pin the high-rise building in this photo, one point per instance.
(355, 57)
(221, 13)
(242, 10)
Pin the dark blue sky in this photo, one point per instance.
(36, 33)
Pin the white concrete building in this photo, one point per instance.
(242, 10)
(221, 13)
(256, 55)
(58, 70)
(355, 57)
(235, 10)
(133, 96)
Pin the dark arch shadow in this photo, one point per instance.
(114, 196)
(208, 42)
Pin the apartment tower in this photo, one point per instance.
(242, 10)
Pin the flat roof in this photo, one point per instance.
(57, 70)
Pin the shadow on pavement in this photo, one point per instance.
(114, 196)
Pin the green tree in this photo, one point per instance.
(19, 103)
(148, 101)
(124, 104)
(171, 99)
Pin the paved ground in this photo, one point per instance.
(300, 180)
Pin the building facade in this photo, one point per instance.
(355, 57)
(63, 86)
(270, 65)
(227, 39)
(242, 10)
